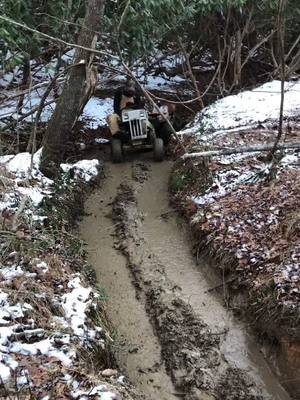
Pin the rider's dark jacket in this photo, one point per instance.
(121, 100)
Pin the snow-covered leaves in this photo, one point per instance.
(244, 216)
(49, 314)
(259, 225)
(249, 108)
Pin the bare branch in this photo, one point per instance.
(191, 75)
(242, 149)
(123, 16)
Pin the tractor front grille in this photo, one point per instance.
(138, 129)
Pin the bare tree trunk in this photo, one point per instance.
(281, 45)
(76, 92)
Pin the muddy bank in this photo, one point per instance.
(174, 338)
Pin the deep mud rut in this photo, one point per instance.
(175, 339)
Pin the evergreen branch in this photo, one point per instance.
(52, 38)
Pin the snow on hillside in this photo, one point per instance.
(248, 108)
(244, 214)
(236, 121)
(94, 113)
(96, 110)
(34, 339)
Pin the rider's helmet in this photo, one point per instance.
(129, 88)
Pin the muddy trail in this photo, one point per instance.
(174, 337)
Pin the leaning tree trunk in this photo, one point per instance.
(76, 91)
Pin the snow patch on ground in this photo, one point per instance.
(242, 213)
(96, 111)
(251, 107)
(25, 167)
(28, 186)
(75, 304)
(84, 169)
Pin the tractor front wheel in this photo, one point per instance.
(116, 150)
(158, 149)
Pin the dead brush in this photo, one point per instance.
(290, 226)
(40, 297)
(57, 267)
(94, 357)
(6, 180)
(15, 393)
(95, 354)
(88, 379)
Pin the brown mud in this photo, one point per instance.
(174, 337)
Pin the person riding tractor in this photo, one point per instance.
(128, 98)
(124, 97)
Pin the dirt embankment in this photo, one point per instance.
(254, 291)
(169, 324)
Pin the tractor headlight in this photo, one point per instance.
(142, 114)
(125, 117)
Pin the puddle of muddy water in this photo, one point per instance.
(139, 351)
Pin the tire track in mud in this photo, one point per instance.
(190, 350)
(178, 340)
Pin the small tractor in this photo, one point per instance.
(138, 132)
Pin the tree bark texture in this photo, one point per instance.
(76, 92)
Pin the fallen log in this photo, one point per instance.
(242, 149)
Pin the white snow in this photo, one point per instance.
(10, 273)
(20, 163)
(17, 326)
(84, 169)
(163, 83)
(4, 373)
(68, 56)
(96, 111)
(41, 186)
(22, 380)
(99, 390)
(31, 101)
(34, 194)
(242, 112)
(224, 183)
(247, 108)
(108, 396)
(43, 266)
(74, 304)
(290, 159)
(20, 166)
(101, 141)
(10, 312)
(45, 347)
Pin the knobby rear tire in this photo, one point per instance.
(158, 149)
